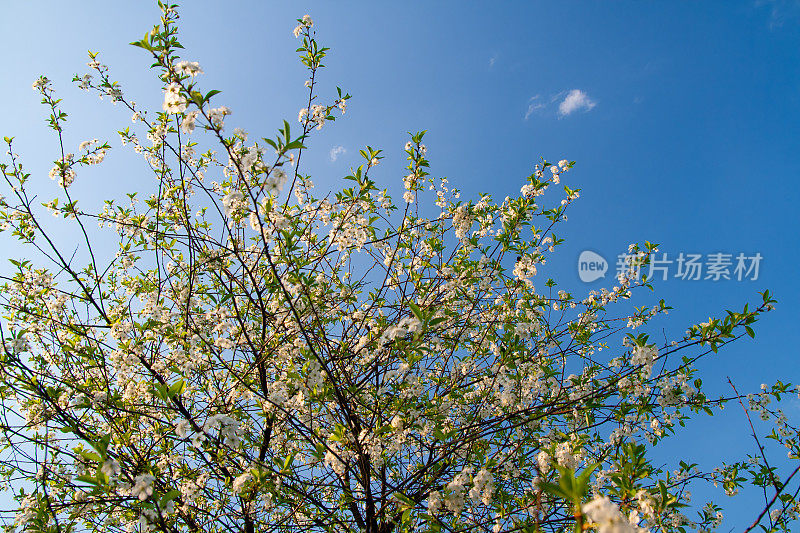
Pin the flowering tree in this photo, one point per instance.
(250, 356)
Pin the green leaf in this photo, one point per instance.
(209, 94)
(288, 462)
(88, 479)
(177, 388)
(416, 310)
(168, 497)
(555, 490)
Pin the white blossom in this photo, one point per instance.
(142, 487)
(174, 101)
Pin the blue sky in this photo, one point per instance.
(684, 124)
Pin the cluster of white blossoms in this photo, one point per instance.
(149, 518)
(783, 515)
(188, 68)
(333, 461)
(63, 171)
(274, 183)
(156, 135)
(759, 402)
(319, 114)
(607, 518)
(40, 83)
(242, 482)
(188, 121)
(261, 219)
(191, 488)
(407, 325)
(645, 357)
(454, 497)
(248, 157)
(28, 510)
(455, 492)
(17, 345)
(483, 487)
(529, 190)
(85, 145)
(217, 116)
(111, 468)
(142, 487)
(565, 457)
(228, 429)
(305, 22)
(543, 462)
(462, 221)
(410, 184)
(233, 202)
(525, 269)
(174, 101)
(557, 170)
(349, 231)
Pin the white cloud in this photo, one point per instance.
(492, 60)
(336, 151)
(533, 105)
(575, 100)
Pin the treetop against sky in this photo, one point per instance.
(262, 304)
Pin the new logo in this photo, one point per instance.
(591, 266)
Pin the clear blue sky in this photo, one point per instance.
(688, 135)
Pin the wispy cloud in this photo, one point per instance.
(574, 101)
(336, 151)
(779, 11)
(534, 104)
(557, 96)
(492, 60)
